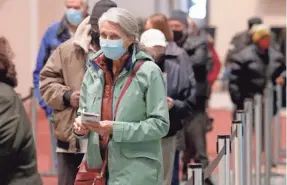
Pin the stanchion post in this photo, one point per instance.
(223, 141)
(33, 108)
(237, 150)
(258, 135)
(277, 126)
(241, 116)
(197, 174)
(248, 147)
(268, 114)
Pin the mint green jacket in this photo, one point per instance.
(135, 154)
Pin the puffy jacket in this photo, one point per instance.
(56, 34)
(201, 60)
(250, 71)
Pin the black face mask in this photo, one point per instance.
(177, 35)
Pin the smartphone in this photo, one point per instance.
(87, 116)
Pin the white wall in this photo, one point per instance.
(230, 16)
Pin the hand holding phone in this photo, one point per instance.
(87, 117)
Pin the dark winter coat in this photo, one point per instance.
(251, 70)
(18, 160)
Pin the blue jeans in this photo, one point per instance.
(175, 176)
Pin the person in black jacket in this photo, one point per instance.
(252, 67)
(196, 46)
(18, 159)
(180, 94)
(160, 21)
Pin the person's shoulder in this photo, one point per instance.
(150, 68)
(54, 26)
(67, 45)
(7, 93)
(275, 54)
(245, 54)
(239, 35)
(52, 29)
(195, 42)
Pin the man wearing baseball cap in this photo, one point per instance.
(180, 94)
(60, 82)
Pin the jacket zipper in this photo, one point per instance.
(113, 87)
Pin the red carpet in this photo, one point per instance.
(222, 125)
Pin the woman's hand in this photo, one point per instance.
(79, 128)
(103, 128)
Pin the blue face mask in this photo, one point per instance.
(112, 49)
(74, 16)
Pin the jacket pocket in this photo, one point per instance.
(142, 159)
(64, 124)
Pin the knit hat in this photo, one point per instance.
(100, 7)
(180, 16)
(259, 31)
(254, 20)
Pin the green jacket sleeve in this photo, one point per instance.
(157, 123)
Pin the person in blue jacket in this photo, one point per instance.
(57, 33)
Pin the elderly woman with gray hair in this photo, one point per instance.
(123, 88)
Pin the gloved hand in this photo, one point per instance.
(82, 36)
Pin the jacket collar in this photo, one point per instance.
(63, 28)
(135, 55)
(172, 49)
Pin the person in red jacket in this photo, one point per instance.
(213, 74)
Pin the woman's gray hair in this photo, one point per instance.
(123, 18)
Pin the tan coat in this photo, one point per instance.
(63, 72)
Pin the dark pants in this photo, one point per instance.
(68, 167)
(175, 175)
(194, 133)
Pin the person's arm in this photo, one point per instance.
(199, 58)
(184, 106)
(236, 78)
(9, 122)
(42, 57)
(279, 75)
(213, 74)
(52, 86)
(82, 103)
(157, 124)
